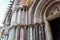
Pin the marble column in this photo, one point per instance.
(14, 19)
(22, 16)
(43, 32)
(37, 31)
(40, 33)
(18, 33)
(25, 16)
(30, 33)
(12, 33)
(24, 33)
(21, 33)
(19, 15)
(33, 33)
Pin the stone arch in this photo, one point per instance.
(32, 10)
(36, 13)
(39, 14)
(39, 11)
(54, 4)
(44, 8)
(41, 6)
(45, 15)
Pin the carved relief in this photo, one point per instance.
(53, 11)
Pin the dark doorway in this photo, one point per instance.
(55, 28)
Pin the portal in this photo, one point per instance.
(55, 28)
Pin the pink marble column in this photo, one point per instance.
(24, 33)
(18, 34)
(43, 33)
(36, 26)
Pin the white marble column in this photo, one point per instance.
(19, 15)
(12, 34)
(26, 16)
(22, 16)
(40, 33)
(30, 33)
(33, 33)
(16, 34)
(14, 19)
(21, 33)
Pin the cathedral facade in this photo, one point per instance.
(32, 20)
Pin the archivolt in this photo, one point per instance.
(40, 8)
(36, 14)
(48, 34)
(49, 7)
(32, 10)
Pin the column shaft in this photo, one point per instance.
(43, 34)
(18, 34)
(24, 33)
(37, 37)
